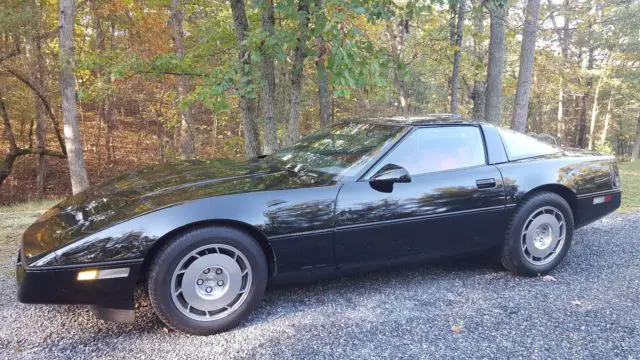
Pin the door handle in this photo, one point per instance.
(486, 183)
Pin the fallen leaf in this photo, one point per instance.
(165, 330)
(457, 328)
(549, 278)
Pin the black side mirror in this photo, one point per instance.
(389, 174)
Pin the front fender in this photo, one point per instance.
(274, 213)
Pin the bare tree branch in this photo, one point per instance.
(14, 150)
(45, 103)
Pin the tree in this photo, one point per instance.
(39, 74)
(493, 104)
(322, 74)
(563, 38)
(297, 71)
(607, 121)
(455, 73)
(594, 112)
(187, 136)
(246, 86)
(635, 153)
(397, 33)
(479, 87)
(525, 74)
(73, 142)
(269, 74)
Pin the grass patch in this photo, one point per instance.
(14, 219)
(32, 206)
(630, 174)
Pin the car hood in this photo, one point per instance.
(149, 189)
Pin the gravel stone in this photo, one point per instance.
(463, 309)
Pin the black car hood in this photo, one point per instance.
(149, 189)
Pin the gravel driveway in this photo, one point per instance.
(589, 308)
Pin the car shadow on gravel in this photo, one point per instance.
(296, 298)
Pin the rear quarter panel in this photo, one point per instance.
(586, 175)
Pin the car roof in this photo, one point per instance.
(428, 119)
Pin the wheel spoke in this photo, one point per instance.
(211, 282)
(539, 235)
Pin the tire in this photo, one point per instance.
(531, 247)
(197, 285)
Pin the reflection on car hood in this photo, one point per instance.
(149, 189)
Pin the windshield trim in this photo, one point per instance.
(381, 154)
(362, 175)
(357, 171)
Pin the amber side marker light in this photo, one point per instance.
(87, 275)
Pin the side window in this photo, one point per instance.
(438, 149)
(520, 146)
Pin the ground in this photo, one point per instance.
(587, 308)
(630, 175)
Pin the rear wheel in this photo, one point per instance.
(539, 235)
(207, 280)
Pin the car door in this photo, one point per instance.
(453, 203)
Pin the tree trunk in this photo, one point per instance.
(478, 97)
(455, 73)
(73, 142)
(594, 113)
(397, 46)
(635, 153)
(525, 74)
(607, 121)
(581, 123)
(563, 39)
(269, 90)
(324, 96)
(321, 72)
(39, 74)
(187, 133)
(297, 72)
(493, 104)
(479, 87)
(561, 113)
(248, 104)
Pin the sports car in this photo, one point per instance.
(206, 237)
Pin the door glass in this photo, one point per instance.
(438, 149)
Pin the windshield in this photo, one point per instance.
(341, 149)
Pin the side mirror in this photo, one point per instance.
(390, 174)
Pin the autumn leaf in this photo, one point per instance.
(549, 278)
(458, 327)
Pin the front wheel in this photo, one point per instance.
(539, 235)
(207, 280)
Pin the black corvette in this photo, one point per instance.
(208, 236)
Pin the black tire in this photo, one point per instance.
(512, 255)
(169, 257)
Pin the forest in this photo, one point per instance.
(90, 89)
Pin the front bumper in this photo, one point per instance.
(60, 285)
